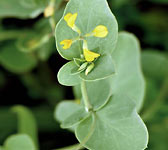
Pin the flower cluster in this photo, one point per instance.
(100, 31)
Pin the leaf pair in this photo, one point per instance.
(105, 128)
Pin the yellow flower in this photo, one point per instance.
(89, 55)
(67, 43)
(70, 19)
(49, 11)
(100, 31)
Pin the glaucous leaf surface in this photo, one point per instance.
(19, 142)
(66, 109)
(91, 13)
(98, 92)
(116, 126)
(75, 118)
(65, 77)
(15, 61)
(104, 68)
(22, 8)
(26, 122)
(77, 91)
(128, 78)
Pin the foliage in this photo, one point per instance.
(117, 86)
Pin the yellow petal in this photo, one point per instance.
(49, 11)
(90, 56)
(100, 31)
(67, 16)
(70, 19)
(67, 43)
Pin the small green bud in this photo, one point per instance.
(83, 66)
(89, 69)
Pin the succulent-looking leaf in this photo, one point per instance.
(98, 93)
(90, 14)
(128, 78)
(65, 109)
(65, 77)
(75, 118)
(117, 126)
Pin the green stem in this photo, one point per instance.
(150, 113)
(88, 106)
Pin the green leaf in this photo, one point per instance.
(98, 92)
(19, 62)
(87, 21)
(77, 91)
(26, 122)
(75, 118)
(21, 8)
(117, 126)
(65, 109)
(128, 78)
(19, 142)
(65, 76)
(104, 68)
(157, 59)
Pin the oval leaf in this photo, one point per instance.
(87, 21)
(117, 126)
(128, 78)
(65, 109)
(65, 76)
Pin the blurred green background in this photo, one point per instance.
(29, 64)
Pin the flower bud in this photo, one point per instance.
(49, 11)
(83, 66)
(89, 69)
